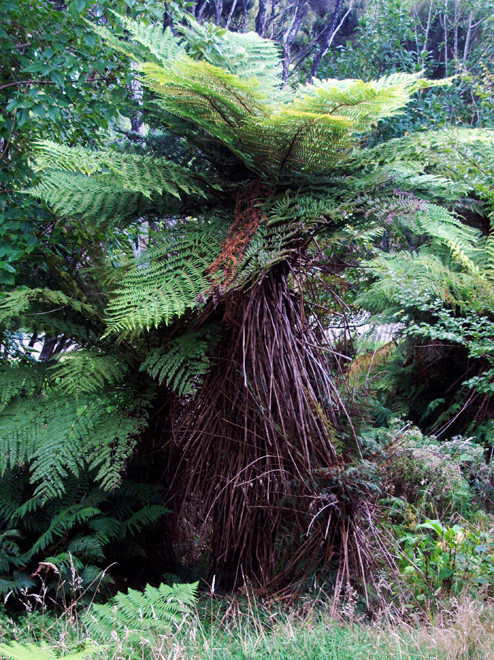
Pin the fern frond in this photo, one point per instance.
(17, 379)
(464, 242)
(464, 156)
(86, 547)
(403, 278)
(15, 303)
(245, 55)
(108, 185)
(29, 651)
(182, 361)
(208, 96)
(362, 103)
(113, 440)
(489, 252)
(150, 41)
(313, 133)
(57, 437)
(140, 613)
(297, 141)
(86, 372)
(167, 280)
(159, 43)
(60, 524)
(144, 517)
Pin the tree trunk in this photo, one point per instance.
(259, 482)
(261, 18)
(327, 35)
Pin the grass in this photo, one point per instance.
(245, 630)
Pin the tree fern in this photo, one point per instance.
(308, 134)
(266, 179)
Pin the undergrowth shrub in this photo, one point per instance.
(442, 560)
(435, 493)
(438, 478)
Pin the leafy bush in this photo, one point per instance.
(437, 478)
(442, 560)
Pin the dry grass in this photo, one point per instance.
(243, 629)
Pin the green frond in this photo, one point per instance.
(29, 651)
(97, 197)
(273, 242)
(159, 44)
(139, 174)
(410, 177)
(15, 303)
(86, 372)
(245, 55)
(362, 103)
(112, 442)
(60, 524)
(58, 437)
(50, 155)
(208, 96)
(182, 361)
(140, 613)
(465, 156)
(489, 252)
(145, 517)
(110, 185)
(313, 132)
(19, 379)
(86, 547)
(150, 41)
(166, 280)
(403, 278)
(297, 141)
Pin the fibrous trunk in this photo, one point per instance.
(258, 459)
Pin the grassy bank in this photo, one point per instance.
(239, 631)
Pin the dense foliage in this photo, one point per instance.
(249, 341)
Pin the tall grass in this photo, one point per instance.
(246, 630)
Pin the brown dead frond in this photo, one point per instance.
(248, 217)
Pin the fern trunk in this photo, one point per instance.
(259, 480)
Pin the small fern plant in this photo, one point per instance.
(136, 616)
(28, 651)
